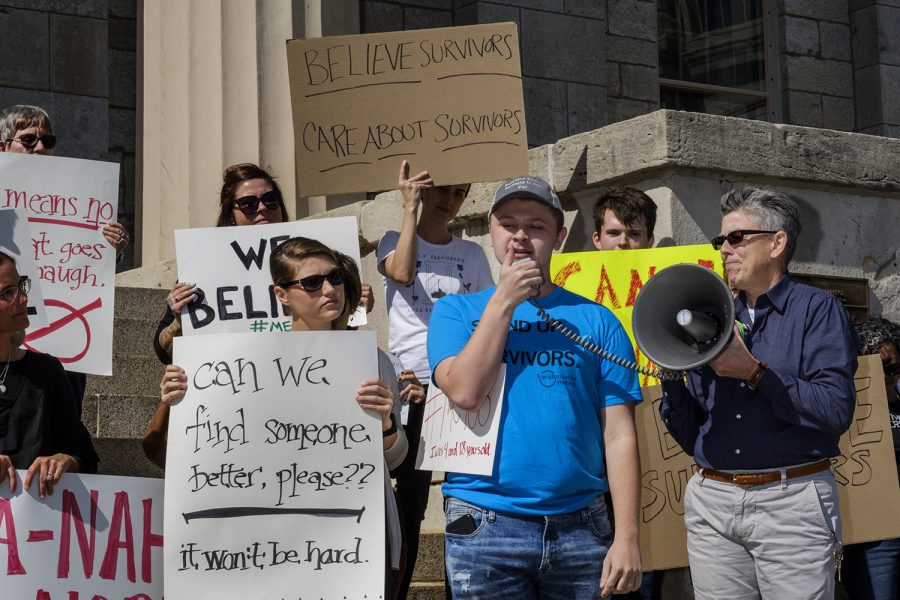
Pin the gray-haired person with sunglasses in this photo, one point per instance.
(26, 129)
(763, 419)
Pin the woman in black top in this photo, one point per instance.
(39, 425)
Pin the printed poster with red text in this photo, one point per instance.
(67, 202)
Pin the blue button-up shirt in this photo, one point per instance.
(804, 400)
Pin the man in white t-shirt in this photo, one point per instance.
(422, 263)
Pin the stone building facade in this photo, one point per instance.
(175, 90)
(78, 60)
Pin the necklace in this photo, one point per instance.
(5, 371)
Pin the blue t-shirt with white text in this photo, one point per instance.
(550, 443)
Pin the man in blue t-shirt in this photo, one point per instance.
(537, 527)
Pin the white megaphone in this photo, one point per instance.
(683, 317)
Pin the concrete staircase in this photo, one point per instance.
(118, 408)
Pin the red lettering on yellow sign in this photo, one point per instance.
(567, 271)
(603, 287)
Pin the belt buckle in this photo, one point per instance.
(735, 476)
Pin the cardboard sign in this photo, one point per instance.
(447, 100)
(865, 472)
(68, 201)
(457, 440)
(231, 266)
(614, 278)
(96, 536)
(275, 475)
(15, 240)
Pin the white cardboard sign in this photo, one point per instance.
(275, 475)
(231, 266)
(68, 201)
(458, 440)
(96, 536)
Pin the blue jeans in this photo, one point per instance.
(871, 571)
(553, 557)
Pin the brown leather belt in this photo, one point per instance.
(750, 479)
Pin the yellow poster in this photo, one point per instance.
(613, 278)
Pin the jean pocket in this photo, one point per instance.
(600, 520)
(462, 519)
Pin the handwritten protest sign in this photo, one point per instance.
(68, 201)
(231, 266)
(457, 440)
(865, 472)
(94, 537)
(275, 476)
(15, 240)
(614, 278)
(447, 100)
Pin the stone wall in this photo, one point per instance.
(817, 64)
(876, 65)
(77, 60)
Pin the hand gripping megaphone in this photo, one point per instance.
(683, 317)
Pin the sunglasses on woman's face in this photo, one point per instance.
(736, 237)
(250, 204)
(891, 369)
(314, 283)
(30, 140)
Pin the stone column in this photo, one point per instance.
(213, 92)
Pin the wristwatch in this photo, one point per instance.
(753, 381)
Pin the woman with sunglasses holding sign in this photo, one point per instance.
(27, 129)
(249, 196)
(39, 424)
(321, 287)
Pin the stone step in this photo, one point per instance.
(132, 376)
(116, 416)
(146, 304)
(133, 337)
(419, 590)
(124, 457)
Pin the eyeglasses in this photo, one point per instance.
(30, 140)
(250, 204)
(736, 237)
(314, 283)
(891, 369)
(11, 293)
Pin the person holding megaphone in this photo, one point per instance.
(762, 419)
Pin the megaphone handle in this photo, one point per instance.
(587, 344)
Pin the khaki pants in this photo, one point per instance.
(774, 541)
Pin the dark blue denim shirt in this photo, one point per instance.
(803, 403)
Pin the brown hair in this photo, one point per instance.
(233, 177)
(629, 205)
(283, 264)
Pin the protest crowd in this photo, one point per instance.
(559, 514)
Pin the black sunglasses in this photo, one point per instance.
(891, 369)
(250, 204)
(314, 283)
(30, 140)
(736, 237)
